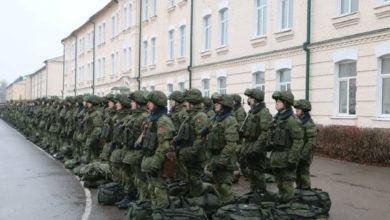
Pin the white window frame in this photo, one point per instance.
(258, 85)
(207, 32)
(381, 77)
(145, 10)
(182, 41)
(337, 87)
(181, 86)
(103, 33)
(260, 17)
(125, 60)
(221, 90)
(103, 69)
(154, 11)
(169, 88)
(145, 53)
(206, 87)
(349, 4)
(130, 16)
(171, 3)
(117, 62)
(112, 63)
(223, 26)
(99, 68)
(171, 44)
(153, 52)
(280, 84)
(113, 26)
(286, 8)
(129, 58)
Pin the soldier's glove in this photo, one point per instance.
(204, 132)
(138, 145)
(176, 141)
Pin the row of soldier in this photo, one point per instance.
(133, 139)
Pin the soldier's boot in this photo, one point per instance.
(125, 202)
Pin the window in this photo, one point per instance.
(112, 63)
(113, 24)
(145, 54)
(206, 32)
(258, 80)
(221, 85)
(103, 68)
(171, 44)
(169, 88)
(261, 17)
(117, 62)
(129, 58)
(99, 68)
(346, 81)
(144, 88)
(385, 83)
(284, 80)
(206, 87)
(104, 33)
(181, 86)
(145, 9)
(99, 36)
(130, 16)
(125, 63)
(152, 88)
(125, 19)
(182, 41)
(223, 25)
(154, 11)
(349, 6)
(171, 3)
(286, 13)
(89, 72)
(153, 51)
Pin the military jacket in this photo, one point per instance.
(177, 115)
(240, 115)
(310, 134)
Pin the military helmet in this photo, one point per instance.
(225, 100)
(177, 96)
(303, 104)
(158, 98)
(207, 101)
(94, 99)
(255, 93)
(236, 98)
(286, 96)
(193, 95)
(139, 97)
(111, 97)
(70, 99)
(123, 99)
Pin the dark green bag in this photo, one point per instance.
(298, 211)
(110, 193)
(263, 199)
(187, 213)
(242, 212)
(140, 210)
(315, 197)
(210, 202)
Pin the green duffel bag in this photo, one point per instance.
(265, 199)
(315, 197)
(210, 202)
(140, 210)
(95, 171)
(110, 193)
(242, 212)
(187, 213)
(71, 164)
(298, 211)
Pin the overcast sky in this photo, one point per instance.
(32, 30)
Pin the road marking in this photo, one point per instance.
(87, 192)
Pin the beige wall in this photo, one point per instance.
(362, 37)
(17, 90)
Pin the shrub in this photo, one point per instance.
(362, 145)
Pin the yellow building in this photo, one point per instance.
(17, 90)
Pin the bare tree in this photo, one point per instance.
(3, 90)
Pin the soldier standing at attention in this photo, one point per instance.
(238, 110)
(208, 107)
(222, 142)
(286, 141)
(255, 133)
(177, 111)
(189, 142)
(302, 111)
(155, 143)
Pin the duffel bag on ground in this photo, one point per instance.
(210, 202)
(242, 212)
(298, 211)
(140, 210)
(315, 197)
(110, 193)
(263, 199)
(187, 213)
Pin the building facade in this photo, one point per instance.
(335, 53)
(17, 90)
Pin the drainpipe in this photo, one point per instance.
(307, 50)
(63, 70)
(189, 68)
(94, 57)
(139, 47)
(75, 67)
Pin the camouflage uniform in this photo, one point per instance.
(190, 144)
(208, 107)
(310, 133)
(238, 111)
(177, 113)
(222, 142)
(286, 141)
(156, 137)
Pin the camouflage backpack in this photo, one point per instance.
(238, 211)
(110, 193)
(298, 211)
(140, 210)
(315, 197)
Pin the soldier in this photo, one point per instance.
(155, 142)
(222, 142)
(238, 110)
(255, 133)
(208, 107)
(302, 111)
(177, 112)
(286, 141)
(189, 142)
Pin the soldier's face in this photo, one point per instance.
(251, 102)
(299, 112)
(89, 105)
(151, 106)
(187, 105)
(118, 106)
(217, 107)
(111, 104)
(172, 103)
(84, 103)
(133, 105)
(279, 105)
